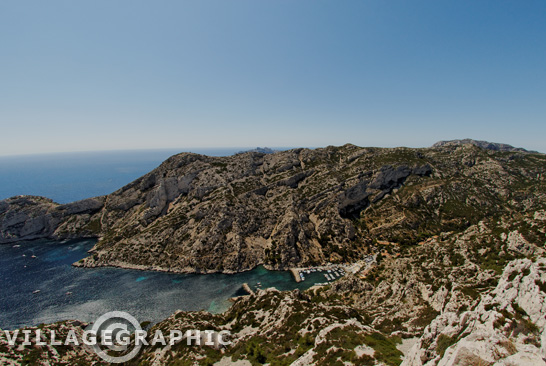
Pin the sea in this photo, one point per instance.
(68, 177)
(38, 283)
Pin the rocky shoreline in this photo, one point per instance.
(89, 264)
(277, 209)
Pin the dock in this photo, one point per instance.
(247, 288)
(330, 272)
(296, 273)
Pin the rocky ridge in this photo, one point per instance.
(481, 144)
(301, 207)
(507, 327)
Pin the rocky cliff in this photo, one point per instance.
(32, 217)
(507, 327)
(196, 213)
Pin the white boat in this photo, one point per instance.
(35, 291)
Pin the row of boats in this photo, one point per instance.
(334, 273)
(330, 275)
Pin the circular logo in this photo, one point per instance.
(110, 327)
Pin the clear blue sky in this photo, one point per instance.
(128, 74)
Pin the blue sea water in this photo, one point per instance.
(68, 177)
(67, 292)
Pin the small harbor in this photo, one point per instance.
(323, 275)
(68, 292)
(320, 275)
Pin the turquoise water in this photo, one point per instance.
(67, 292)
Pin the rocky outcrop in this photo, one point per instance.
(507, 327)
(32, 217)
(518, 243)
(294, 208)
(481, 144)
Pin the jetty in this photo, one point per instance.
(296, 273)
(247, 288)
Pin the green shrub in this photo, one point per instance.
(425, 317)
(385, 348)
(444, 342)
(541, 285)
(471, 292)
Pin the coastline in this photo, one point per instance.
(87, 262)
(84, 263)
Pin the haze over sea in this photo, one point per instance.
(68, 177)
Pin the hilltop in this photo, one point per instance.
(482, 144)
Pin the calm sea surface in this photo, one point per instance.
(66, 292)
(70, 177)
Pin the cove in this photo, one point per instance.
(38, 284)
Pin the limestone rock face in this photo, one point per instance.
(518, 243)
(31, 217)
(508, 326)
(300, 207)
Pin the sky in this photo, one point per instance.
(131, 74)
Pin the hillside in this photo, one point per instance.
(458, 233)
(470, 298)
(301, 207)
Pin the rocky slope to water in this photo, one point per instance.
(458, 234)
(33, 217)
(301, 207)
(476, 297)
